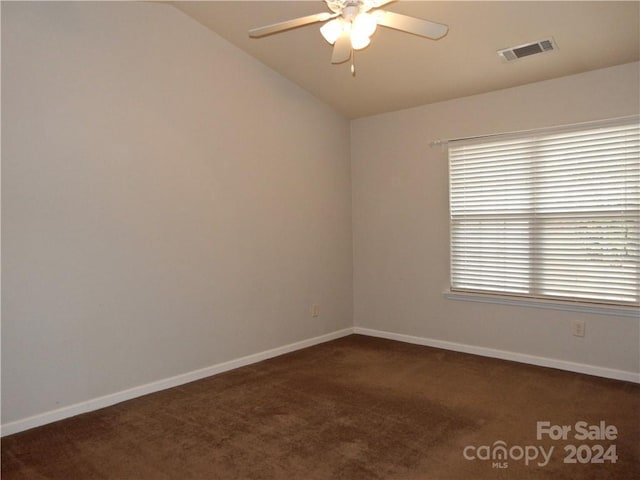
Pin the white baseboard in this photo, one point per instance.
(505, 355)
(112, 399)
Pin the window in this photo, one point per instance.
(551, 215)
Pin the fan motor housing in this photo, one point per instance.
(350, 12)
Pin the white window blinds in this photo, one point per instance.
(548, 215)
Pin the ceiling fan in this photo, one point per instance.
(351, 23)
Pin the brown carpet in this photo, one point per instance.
(354, 408)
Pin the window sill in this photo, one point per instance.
(615, 310)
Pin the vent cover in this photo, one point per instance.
(515, 53)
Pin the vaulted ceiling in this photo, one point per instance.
(399, 70)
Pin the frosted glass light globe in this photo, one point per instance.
(332, 30)
(365, 24)
(359, 41)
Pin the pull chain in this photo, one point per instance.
(353, 66)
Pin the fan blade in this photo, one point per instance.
(342, 48)
(417, 26)
(289, 24)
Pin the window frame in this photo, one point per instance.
(533, 297)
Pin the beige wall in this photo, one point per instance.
(400, 222)
(168, 203)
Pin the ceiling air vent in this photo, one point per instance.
(541, 46)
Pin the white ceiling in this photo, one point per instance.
(400, 70)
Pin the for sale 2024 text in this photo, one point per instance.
(581, 431)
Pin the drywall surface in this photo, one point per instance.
(400, 222)
(168, 203)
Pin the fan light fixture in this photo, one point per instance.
(351, 23)
(360, 30)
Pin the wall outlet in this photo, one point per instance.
(578, 328)
(315, 310)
